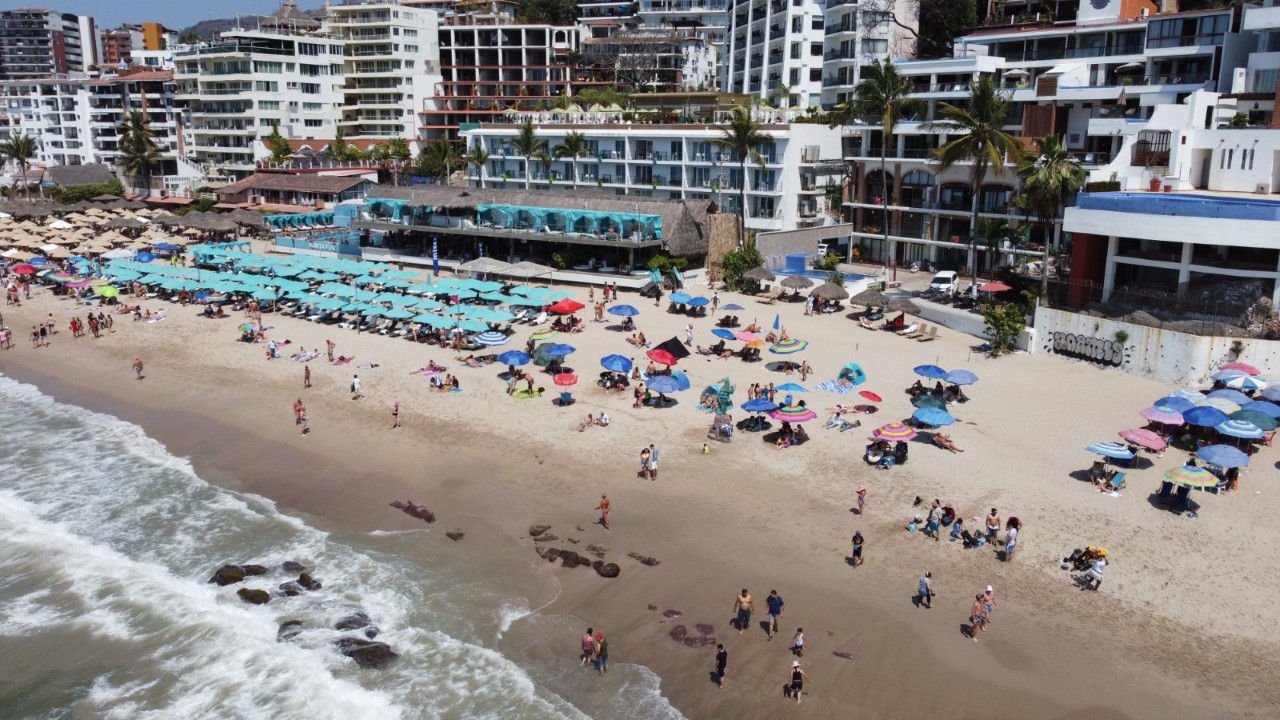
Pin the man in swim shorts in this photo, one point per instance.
(742, 606)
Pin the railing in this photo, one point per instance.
(1184, 41)
(941, 87)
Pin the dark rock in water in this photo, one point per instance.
(368, 655)
(418, 511)
(551, 554)
(353, 621)
(643, 559)
(537, 530)
(571, 559)
(371, 632)
(290, 566)
(697, 642)
(845, 655)
(228, 575)
(456, 535)
(671, 613)
(705, 629)
(609, 570)
(652, 607)
(289, 629)
(678, 633)
(254, 597)
(308, 583)
(291, 588)
(253, 570)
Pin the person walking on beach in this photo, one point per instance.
(1010, 540)
(795, 688)
(742, 606)
(306, 377)
(722, 661)
(297, 411)
(977, 617)
(395, 415)
(137, 366)
(935, 520)
(602, 653)
(355, 388)
(588, 647)
(645, 454)
(925, 592)
(776, 608)
(715, 301)
(302, 420)
(862, 499)
(797, 643)
(1093, 579)
(857, 548)
(989, 603)
(688, 334)
(993, 527)
(653, 462)
(604, 508)
(329, 347)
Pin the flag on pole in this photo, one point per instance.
(435, 255)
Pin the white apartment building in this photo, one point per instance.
(235, 91)
(802, 168)
(855, 36)
(390, 61)
(773, 43)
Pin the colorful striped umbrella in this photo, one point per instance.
(1113, 450)
(1240, 429)
(491, 338)
(1176, 404)
(1222, 404)
(1264, 421)
(894, 431)
(1229, 395)
(793, 413)
(545, 334)
(1194, 396)
(1245, 368)
(1194, 477)
(1240, 382)
(789, 346)
(1161, 415)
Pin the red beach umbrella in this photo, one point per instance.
(23, 269)
(1245, 368)
(566, 306)
(994, 287)
(565, 379)
(662, 356)
(871, 396)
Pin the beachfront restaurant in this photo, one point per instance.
(585, 231)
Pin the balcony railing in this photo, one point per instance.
(1184, 41)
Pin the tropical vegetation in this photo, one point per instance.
(742, 136)
(138, 151)
(1050, 178)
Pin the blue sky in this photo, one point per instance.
(176, 14)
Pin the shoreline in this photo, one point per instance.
(711, 525)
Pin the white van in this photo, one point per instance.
(945, 283)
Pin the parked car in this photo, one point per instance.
(944, 283)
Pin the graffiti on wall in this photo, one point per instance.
(1111, 353)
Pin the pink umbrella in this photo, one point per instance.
(1245, 368)
(746, 336)
(1167, 417)
(1145, 438)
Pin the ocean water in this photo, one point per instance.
(106, 544)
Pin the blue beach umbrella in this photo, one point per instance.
(623, 311)
(616, 363)
(1264, 421)
(935, 417)
(663, 384)
(723, 333)
(491, 338)
(561, 349)
(960, 377)
(398, 314)
(1113, 450)
(791, 387)
(1195, 396)
(514, 357)
(1234, 396)
(1244, 382)
(1176, 404)
(933, 372)
(1205, 416)
(760, 404)
(1269, 409)
(473, 326)
(1239, 429)
(1224, 456)
(699, 301)
(682, 380)
(732, 306)
(679, 298)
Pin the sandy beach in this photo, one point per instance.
(1184, 625)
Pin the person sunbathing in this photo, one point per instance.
(634, 340)
(708, 402)
(603, 420)
(753, 328)
(583, 425)
(641, 341)
(944, 442)
(772, 337)
(1098, 473)
(432, 366)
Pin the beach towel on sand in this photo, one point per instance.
(344, 361)
(525, 394)
(837, 387)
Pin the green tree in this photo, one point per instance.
(554, 12)
(737, 262)
(338, 150)
(278, 145)
(527, 143)
(138, 152)
(573, 147)
(981, 140)
(438, 160)
(885, 94)
(941, 21)
(398, 150)
(1004, 324)
(1050, 178)
(478, 158)
(20, 148)
(742, 136)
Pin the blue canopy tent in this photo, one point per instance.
(853, 373)
(570, 220)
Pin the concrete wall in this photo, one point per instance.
(1172, 357)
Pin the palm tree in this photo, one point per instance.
(742, 135)
(527, 143)
(883, 93)
(138, 148)
(20, 148)
(438, 160)
(980, 140)
(478, 157)
(573, 147)
(1050, 178)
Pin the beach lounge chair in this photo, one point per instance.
(913, 331)
(772, 296)
(1117, 481)
(933, 335)
(1166, 492)
(541, 319)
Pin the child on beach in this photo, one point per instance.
(797, 643)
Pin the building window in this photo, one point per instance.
(795, 51)
(267, 86)
(310, 89)
(874, 46)
(817, 22)
(313, 123)
(268, 104)
(815, 74)
(795, 77)
(1264, 81)
(815, 49)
